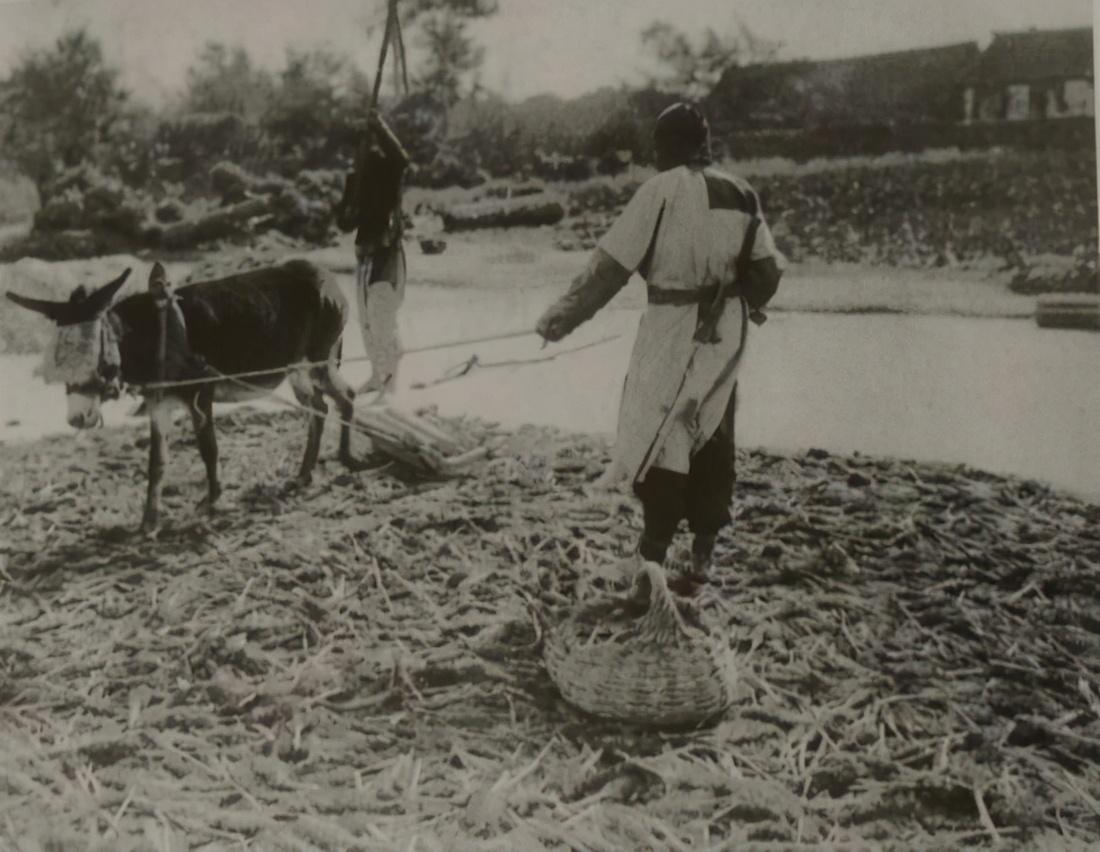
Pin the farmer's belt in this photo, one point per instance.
(679, 298)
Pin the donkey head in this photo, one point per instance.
(83, 354)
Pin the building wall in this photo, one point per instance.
(1017, 102)
(1079, 97)
(1023, 101)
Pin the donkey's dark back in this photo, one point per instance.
(256, 320)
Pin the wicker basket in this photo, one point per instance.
(648, 666)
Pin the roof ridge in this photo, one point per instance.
(1037, 31)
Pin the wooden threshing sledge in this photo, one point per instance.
(413, 440)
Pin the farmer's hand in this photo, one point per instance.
(550, 327)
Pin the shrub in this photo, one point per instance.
(230, 181)
(170, 210)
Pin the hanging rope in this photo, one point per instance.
(399, 54)
(400, 60)
(391, 16)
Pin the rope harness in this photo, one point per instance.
(301, 365)
(449, 375)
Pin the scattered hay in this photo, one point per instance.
(353, 666)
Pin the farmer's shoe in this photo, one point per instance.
(702, 553)
(626, 569)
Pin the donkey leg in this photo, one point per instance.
(343, 394)
(309, 391)
(313, 438)
(202, 419)
(158, 457)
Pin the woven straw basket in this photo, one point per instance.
(652, 670)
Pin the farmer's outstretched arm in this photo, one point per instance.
(592, 289)
(619, 254)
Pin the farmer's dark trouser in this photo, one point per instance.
(702, 495)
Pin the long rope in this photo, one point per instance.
(466, 367)
(450, 344)
(511, 335)
(235, 378)
(271, 394)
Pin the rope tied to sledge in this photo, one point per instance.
(301, 365)
(465, 368)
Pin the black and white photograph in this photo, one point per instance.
(519, 425)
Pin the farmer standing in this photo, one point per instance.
(695, 234)
(372, 204)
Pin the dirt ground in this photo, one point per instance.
(353, 666)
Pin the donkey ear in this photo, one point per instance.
(79, 308)
(52, 310)
(100, 300)
(157, 276)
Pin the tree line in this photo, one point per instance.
(65, 106)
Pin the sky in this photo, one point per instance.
(562, 47)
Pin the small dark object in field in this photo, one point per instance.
(858, 480)
(432, 246)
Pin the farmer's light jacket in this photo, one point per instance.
(682, 232)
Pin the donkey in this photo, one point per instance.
(270, 323)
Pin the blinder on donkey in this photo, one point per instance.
(83, 353)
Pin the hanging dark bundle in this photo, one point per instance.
(371, 202)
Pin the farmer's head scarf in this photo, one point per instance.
(681, 137)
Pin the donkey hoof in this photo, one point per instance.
(298, 483)
(358, 465)
(149, 529)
